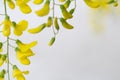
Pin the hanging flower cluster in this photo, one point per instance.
(23, 51)
(9, 27)
(101, 3)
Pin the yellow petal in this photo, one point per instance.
(24, 47)
(28, 53)
(25, 72)
(38, 1)
(65, 24)
(11, 4)
(1, 78)
(1, 50)
(1, 62)
(49, 22)
(25, 8)
(44, 10)
(19, 2)
(17, 32)
(37, 29)
(20, 77)
(22, 25)
(24, 61)
(16, 72)
(62, 0)
(65, 13)
(92, 4)
(6, 28)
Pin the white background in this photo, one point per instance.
(78, 54)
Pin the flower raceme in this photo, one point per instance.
(18, 74)
(23, 51)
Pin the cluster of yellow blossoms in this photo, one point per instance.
(18, 27)
(23, 50)
(18, 74)
(100, 3)
(9, 27)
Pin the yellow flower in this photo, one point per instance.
(18, 2)
(52, 40)
(100, 3)
(2, 74)
(20, 54)
(38, 1)
(65, 24)
(17, 73)
(92, 4)
(6, 28)
(24, 60)
(24, 7)
(44, 10)
(2, 59)
(11, 4)
(37, 29)
(49, 22)
(23, 51)
(25, 47)
(20, 27)
(23, 56)
(65, 13)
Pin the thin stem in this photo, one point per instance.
(8, 58)
(2, 14)
(11, 64)
(12, 39)
(53, 16)
(5, 8)
(11, 46)
(75, 4)
(7, 44)
(4, 42)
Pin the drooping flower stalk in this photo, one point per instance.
(7, 48)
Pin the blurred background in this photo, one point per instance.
(91, 51)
